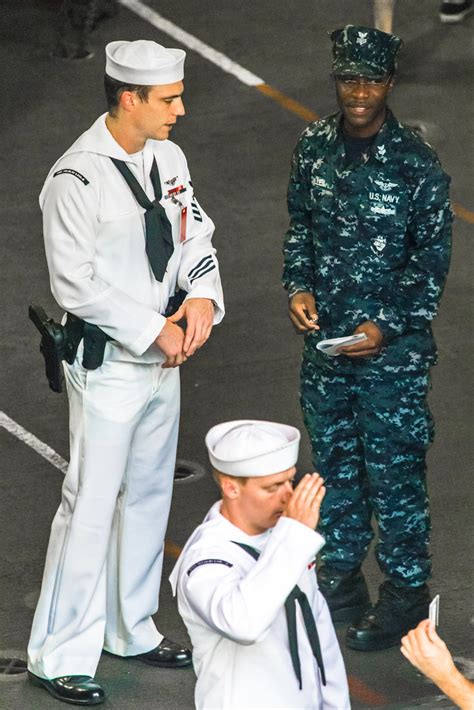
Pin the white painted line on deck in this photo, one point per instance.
(33, 442)
(191, 42)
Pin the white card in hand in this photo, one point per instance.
(331, 346)
(433, 613)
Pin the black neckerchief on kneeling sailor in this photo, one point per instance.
(158, 235)
(297, 595)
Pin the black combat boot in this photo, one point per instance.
(346, 593)
(398, 610)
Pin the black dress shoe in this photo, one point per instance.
(346, 593)
(167, 655)
(73, 689)
(398, 610)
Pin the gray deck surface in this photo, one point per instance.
(238, 144)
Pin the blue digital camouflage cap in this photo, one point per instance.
(364, 51)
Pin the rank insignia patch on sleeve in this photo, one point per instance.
(196, 213)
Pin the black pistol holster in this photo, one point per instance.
(60, 342)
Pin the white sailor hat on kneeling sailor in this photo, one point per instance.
(143, 62)
(252, 448)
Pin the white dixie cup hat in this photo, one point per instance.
(143, 62)
(252, 448)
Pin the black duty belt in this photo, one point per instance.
(60, 342)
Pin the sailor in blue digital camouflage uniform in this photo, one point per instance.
(367, 251)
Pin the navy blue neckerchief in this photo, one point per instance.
(158, 236)
(296, 595)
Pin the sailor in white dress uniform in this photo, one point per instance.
(246, 579)
(123, 231)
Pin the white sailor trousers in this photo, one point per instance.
(105, 555)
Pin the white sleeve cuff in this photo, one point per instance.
(303, 537)
(149, 335)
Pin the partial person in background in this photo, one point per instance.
(427, 651)
(384, 11)
(76, 21)
(453, 11)
(123, 232)
(450, 12)
(261, 632)
(367, 252)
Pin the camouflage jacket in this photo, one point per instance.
(371, 240)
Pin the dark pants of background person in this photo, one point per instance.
(369, 436)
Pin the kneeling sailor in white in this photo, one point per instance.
(246, 583)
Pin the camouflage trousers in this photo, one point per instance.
(369, 436)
